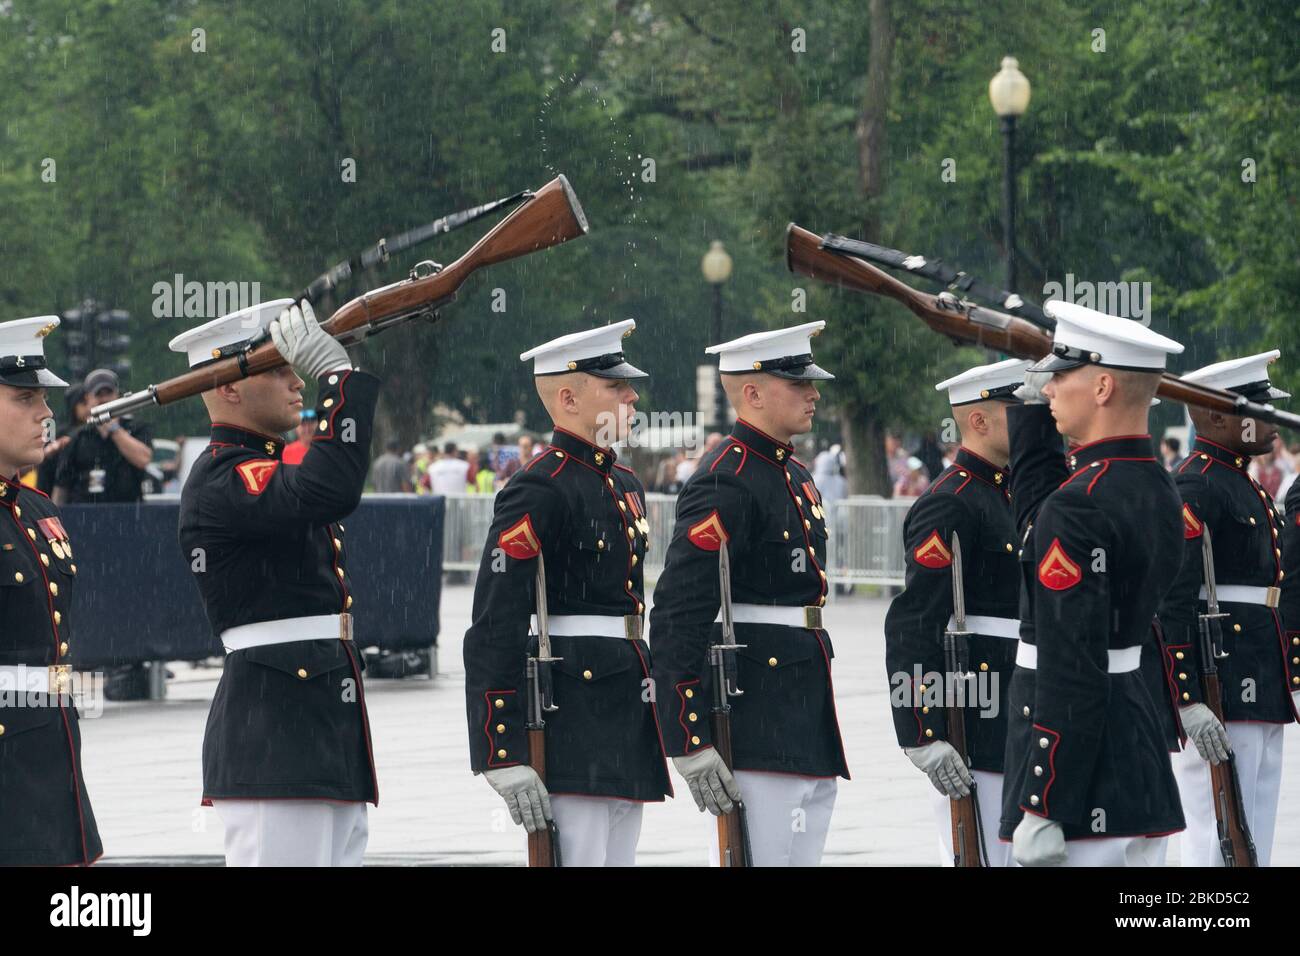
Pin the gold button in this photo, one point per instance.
(1277, 552)
(690, 692)
(821, 601)
(338, 544)
(921, 688)
(622, 506)
(1043, 742)
(1009, 547)
(328, 403)
(2, 729)
(600, 460)
(736, 449)
(72, 568)
(634, 560)
(610, 482)
(58, 618)
(1182, 675)
(1179, 655)
(640, 607)
(780, 453)
(339, 572)
(63, 648)
(771, 662)
(559, 454)
(822, 573)
(631, 533)
(929, 732)
(1033, 799)
(798, 500)
(807, 523)
(600, 545)
(1295, 641)
(1186, 696)
(1038, 770)
(324, 425)
(498, 703)
(812, 551)
(54, 589)
(984, 666)
(629, 585)
(962, 474)
(501, 728)
(334, 380)
(349, 601)
(925, 710)
(586, 675)
(1295, 680)
(31, 534)
(302, 672)
(1236, 628)
(1252, 519)
(501, 753)
(1025, 710)
(1237, 462)
(1204, 457)
(19, 512)
(695, 740)
(45, 560)
(692, 718)
(785, 535)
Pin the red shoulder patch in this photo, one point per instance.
(1192, 526)
(256, 474)
(932, 552)
(1057, 570)
(709, 534)
(520, 540)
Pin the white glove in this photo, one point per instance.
(1205, 730)
(1031, 393)
(709, 780)
(944, 766)
(305, 345)
(524, 793)
(1038, 841)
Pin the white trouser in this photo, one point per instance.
(596, 831)
(1257, 754)
(788, 817)
(1117, 851)
(293, 832)
(988, 786)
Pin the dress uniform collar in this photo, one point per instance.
(981, 468)
(267, 445)
(9, 490)
(1207, 450)
(602, 459)
(1117, 446)
(761, 442)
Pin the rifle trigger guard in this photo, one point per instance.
(382, 247)
(425, 268)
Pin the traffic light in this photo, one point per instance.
(94, 337)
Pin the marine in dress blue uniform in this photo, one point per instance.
(752, 492)
(45, 813)
(1087, 774)
(1262, 669)
(287, 758)
(582, 513)
(968, 499)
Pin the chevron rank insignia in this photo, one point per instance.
(1057, 570)
(708, 534)
(933, 553)
(1192, 526)
(256, 474)
(520, 540)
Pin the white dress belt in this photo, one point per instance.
(591, 625)
(989, 626)
(1119, 660)
(317, 627)
(28, 679)
(784, 615)
(1245, 594)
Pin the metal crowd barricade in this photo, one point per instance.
(865, 545)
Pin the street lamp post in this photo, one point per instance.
(1009, 94)
(716, 266)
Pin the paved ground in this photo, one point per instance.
(142, 766)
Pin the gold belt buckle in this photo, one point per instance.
(1272, 596)
(345, 626)
(632, 624)
(812, 618)
(59, 676)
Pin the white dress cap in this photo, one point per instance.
(985, 382)
(783, 352)
(22, 353)
(1246, 376)
(597, 352)
(1085, 336)
(228, 334)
